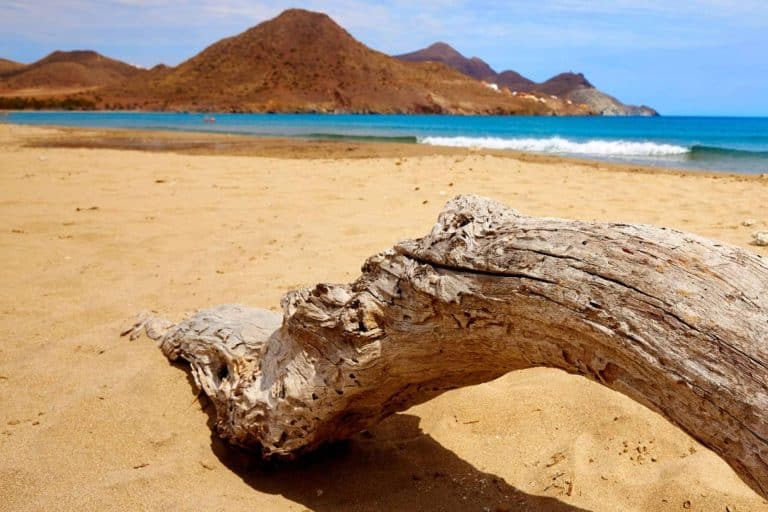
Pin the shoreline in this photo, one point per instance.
(231, 144)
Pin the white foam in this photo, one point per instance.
(562, 146)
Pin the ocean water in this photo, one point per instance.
(735, 144)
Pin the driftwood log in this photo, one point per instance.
(672, 320)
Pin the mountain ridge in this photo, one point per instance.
(443, 52)
(572, 86)
(298, 61)
(7, 65)
(303, 61)
(75, 69)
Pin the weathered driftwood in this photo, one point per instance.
(674, 321)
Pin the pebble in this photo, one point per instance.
(749, 222)
(760, 238)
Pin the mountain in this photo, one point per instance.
(570, 86)
(475, 67)
(6, 66)
(302, 61)
(441, 52)
(564, 83)
(67, 71)
(514, 81)
(575, 87)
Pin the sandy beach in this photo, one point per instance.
(96, 226)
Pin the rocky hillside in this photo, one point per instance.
(302, 61)
(442, 52)
(6, 66)
(570, 86)
(73, 70)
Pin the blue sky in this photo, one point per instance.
(685, 57)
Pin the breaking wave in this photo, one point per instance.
(559, 145)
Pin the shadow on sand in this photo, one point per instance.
(394, 466)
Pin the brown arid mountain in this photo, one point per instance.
(7, 66)
(475, 67)
(65, 72)
(564, 83)
(575, 87)
(572, 87)
(514, 81)
(442, 52)
(302, 61)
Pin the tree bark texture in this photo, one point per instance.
(672, 320)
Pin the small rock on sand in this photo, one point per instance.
(749, 222)
(760, 238)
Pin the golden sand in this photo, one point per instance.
(89, 421)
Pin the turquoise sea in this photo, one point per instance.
(736, 144)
